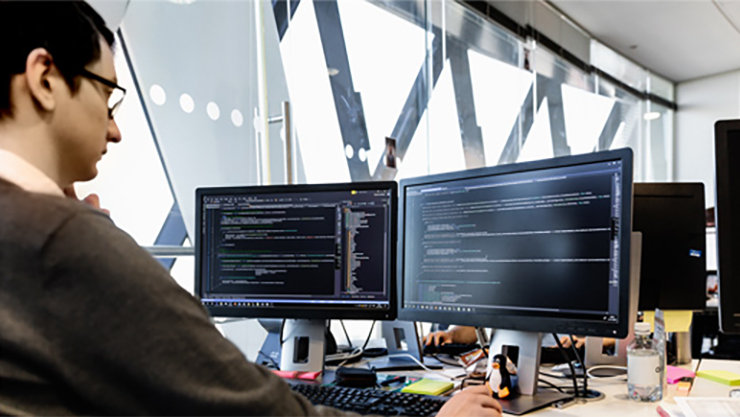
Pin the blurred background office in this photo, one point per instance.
(306, 91)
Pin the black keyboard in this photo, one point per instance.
(370, 401)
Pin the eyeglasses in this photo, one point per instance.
(115, 98)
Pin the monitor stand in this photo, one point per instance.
(403, 342)
(612, 359)
(682, 343)
(303, 345)
(523, 348)
(594, 350)
(269, 353)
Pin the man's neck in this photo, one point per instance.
(32, 143)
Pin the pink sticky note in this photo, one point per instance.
(674, 373)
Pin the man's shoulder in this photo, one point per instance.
(33, 217)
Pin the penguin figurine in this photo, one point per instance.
(499, 381)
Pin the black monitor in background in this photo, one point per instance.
(727, 209)
(298, 252)
(671, 218)
(540, 246)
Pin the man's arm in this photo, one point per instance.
(124, 338)
(129, 340)
(457, 334)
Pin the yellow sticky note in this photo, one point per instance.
(675, 320)
(428, 387)
(723, 377)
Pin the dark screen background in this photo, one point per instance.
(530, 246)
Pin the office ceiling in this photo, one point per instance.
(678, 39)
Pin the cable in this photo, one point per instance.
(344, 357)
(275, 364)
(346, 334)
(570, 364)
(583, 365)
(282, 326)
(553, 375)
(447, 361)
(698, 364)
(551, 385)
(369, 334)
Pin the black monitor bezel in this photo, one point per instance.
(529, 323)
(727, 268)
(694, 191)
(294, 312)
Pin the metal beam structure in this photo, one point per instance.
(611, 126)
(280, 9)
(172, 233)
(551, 88)
(470, 131)
(522, 125)
(415, 105)
(347, 101)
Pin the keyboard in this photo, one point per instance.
(370, 401)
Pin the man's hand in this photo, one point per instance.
(92, 200)
(457, 334)
(565, 340)
(473, 401)
(438, 338)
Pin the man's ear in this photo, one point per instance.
(42, 78)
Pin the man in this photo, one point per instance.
(89, 322)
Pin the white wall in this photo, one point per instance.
(701, 103)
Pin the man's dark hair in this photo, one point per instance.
(69, 30)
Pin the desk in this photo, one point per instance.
(615, 402)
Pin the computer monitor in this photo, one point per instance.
(540, 246)
(298, 252)
(673, 269)
(727, 210)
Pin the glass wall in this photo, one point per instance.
(454, 90)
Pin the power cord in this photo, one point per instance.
(570, 364)
(369, 334)
(587, 394)
(344, 358)
(349, 342)
(356, 352)
(447, 361)
(696, 370)
(282, 326)
(551, 385)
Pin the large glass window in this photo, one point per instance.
(453, 88)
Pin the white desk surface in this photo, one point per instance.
(616, 403)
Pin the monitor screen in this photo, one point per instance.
(727, 210)
(539, 246)
(671, 218)
(300, 251)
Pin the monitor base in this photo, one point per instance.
(400, 363)
(523, 404)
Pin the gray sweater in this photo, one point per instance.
(91, 324)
